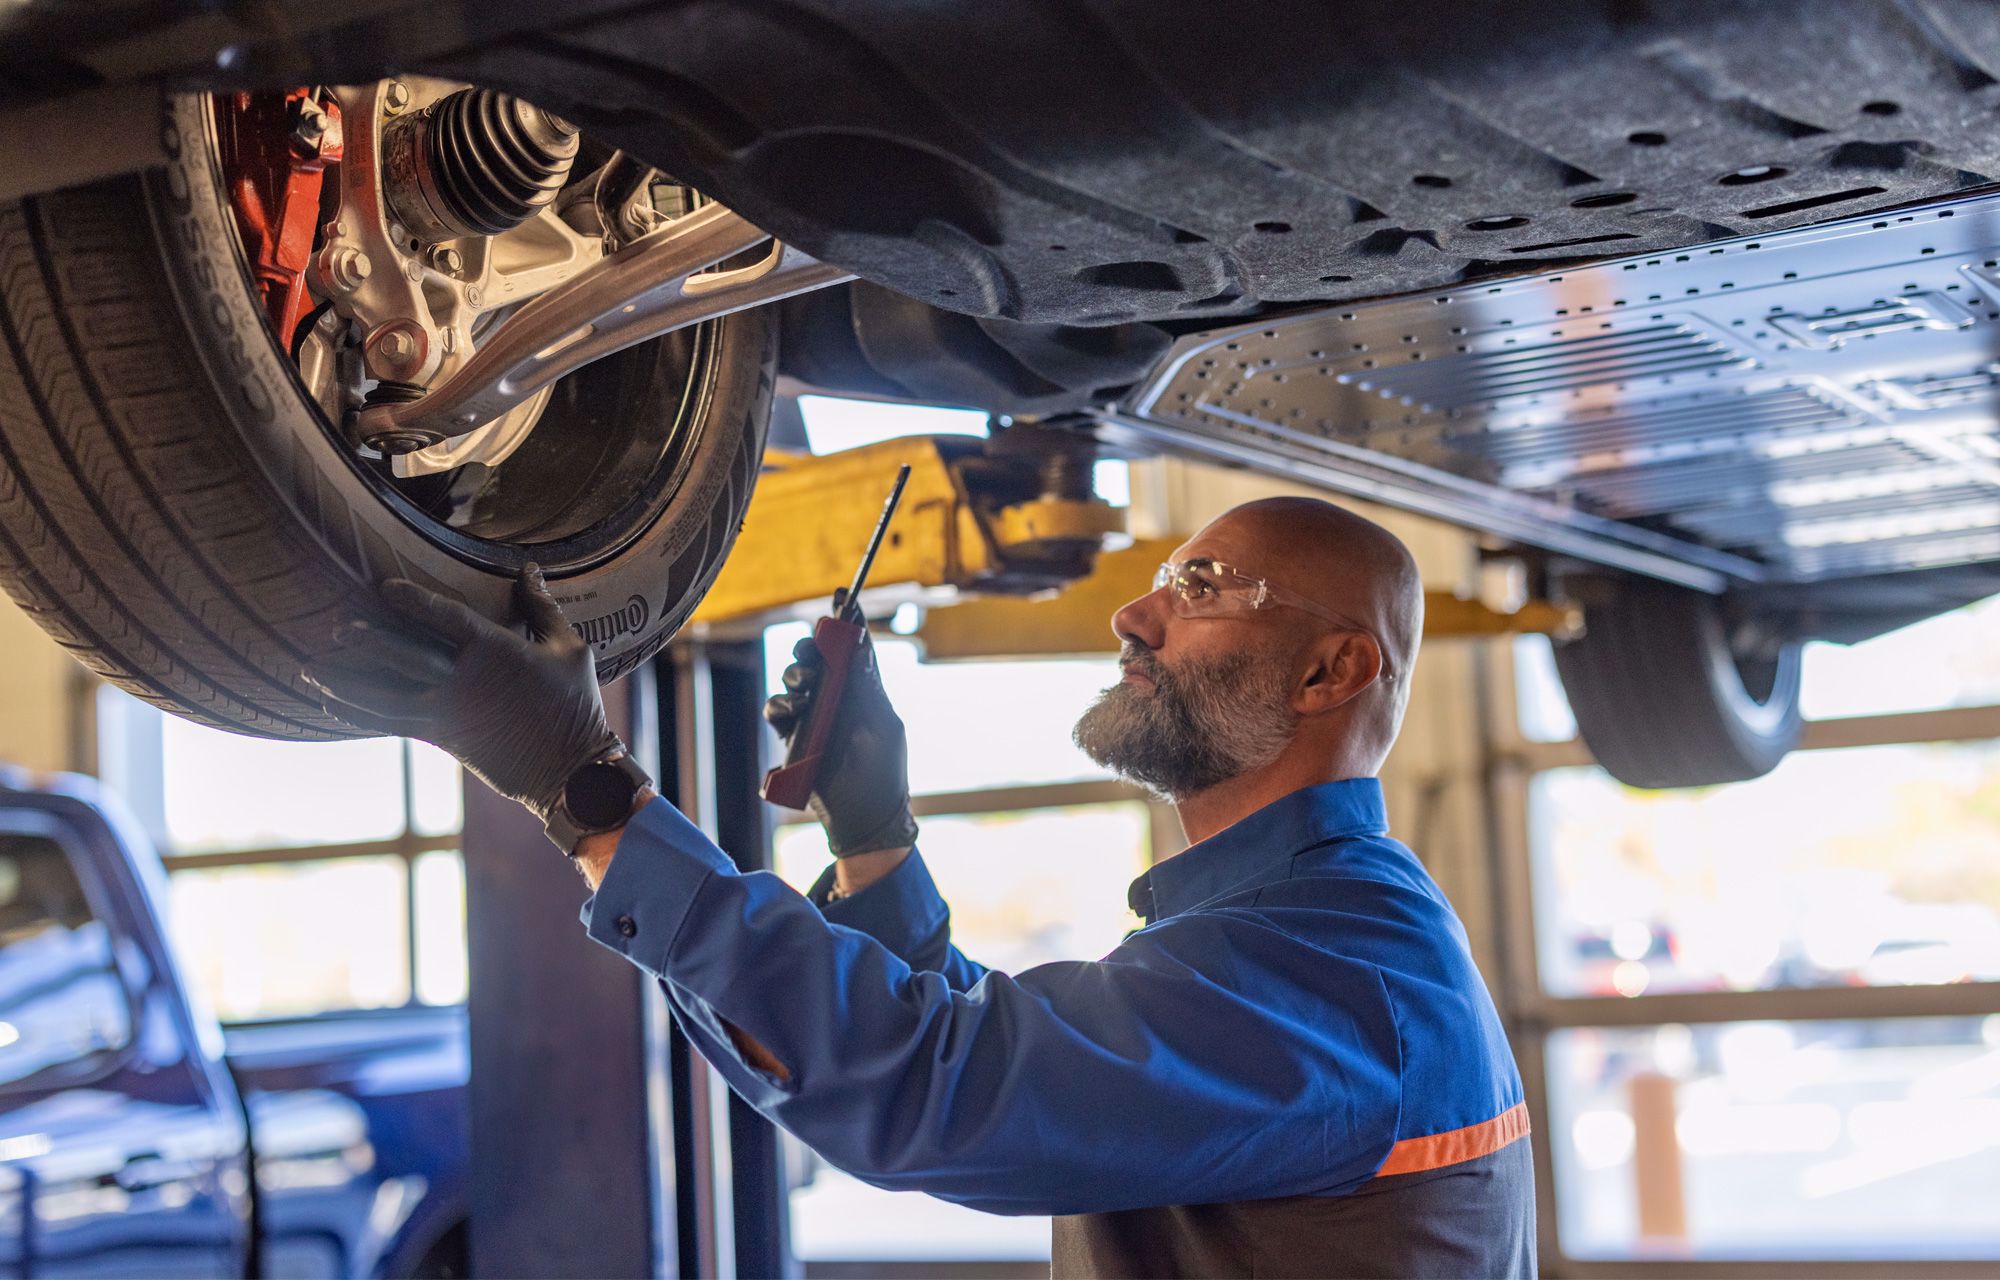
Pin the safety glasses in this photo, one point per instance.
(1203, 588)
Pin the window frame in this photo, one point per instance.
(1531, 1013)
(1162, 823)
(406, 845)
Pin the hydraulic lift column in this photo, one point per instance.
(571, 1172)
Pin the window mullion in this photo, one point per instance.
(400, 846)
(405, 843)
(1784, 1004)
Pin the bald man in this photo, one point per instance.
(1293, 1068)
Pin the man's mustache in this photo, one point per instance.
(1132, 657)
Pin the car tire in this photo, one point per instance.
(178, 513)
(1662, 699)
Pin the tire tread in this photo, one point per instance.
(96, 538)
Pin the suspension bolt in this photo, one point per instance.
(395, 98)
(344, 267)
(310, 128)
(396, 442)
(473, 297)
(448, 260)
(396, 350)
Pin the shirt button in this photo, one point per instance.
(628, 927)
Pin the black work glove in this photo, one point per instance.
(522, 713)
(862, 796)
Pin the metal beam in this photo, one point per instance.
(732, 1214)
(1788, 1004)
(1077, 621)
(1374, 477)
(563, 1179)
(704, 1190)
(1043, 795)
(407, 847)
(1903, 728)
(743, 825)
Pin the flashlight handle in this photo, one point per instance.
(791, 784)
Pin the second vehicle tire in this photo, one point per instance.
(1663, 699)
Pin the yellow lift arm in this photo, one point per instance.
(1003, 545)
(1015, 520)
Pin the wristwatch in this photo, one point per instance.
(597, 797)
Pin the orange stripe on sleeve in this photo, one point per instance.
(1415, 1155)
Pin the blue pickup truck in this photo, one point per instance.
(137, 1137)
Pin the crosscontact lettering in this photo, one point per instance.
(628, 620)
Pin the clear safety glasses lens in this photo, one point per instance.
(1199, 590)
(1205, 589)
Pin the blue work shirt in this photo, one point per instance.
(1299, 1015)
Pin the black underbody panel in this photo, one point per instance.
(1102, 161)
(1161, 159)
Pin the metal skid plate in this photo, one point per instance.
(1812, 404)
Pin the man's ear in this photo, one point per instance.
(1341, 665)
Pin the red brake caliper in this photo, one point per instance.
(275, 149)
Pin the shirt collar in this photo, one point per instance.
(1275, 833)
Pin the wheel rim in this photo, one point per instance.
(1761, 687)
(573, 494)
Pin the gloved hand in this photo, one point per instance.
(862, 797)
(522, 713)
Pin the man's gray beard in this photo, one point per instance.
(1200, 724)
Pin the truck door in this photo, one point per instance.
(116, 1155)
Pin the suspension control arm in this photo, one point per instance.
(649, 288)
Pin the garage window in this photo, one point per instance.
(1762, 1021)
(1870, 1139)
(1023, 710)
(303, 877)
(1952, 660)
(1869, 866)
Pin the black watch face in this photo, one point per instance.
(599, 795)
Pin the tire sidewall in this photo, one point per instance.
(627, 604)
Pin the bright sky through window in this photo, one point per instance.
(833, 424)
(1023, 711)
